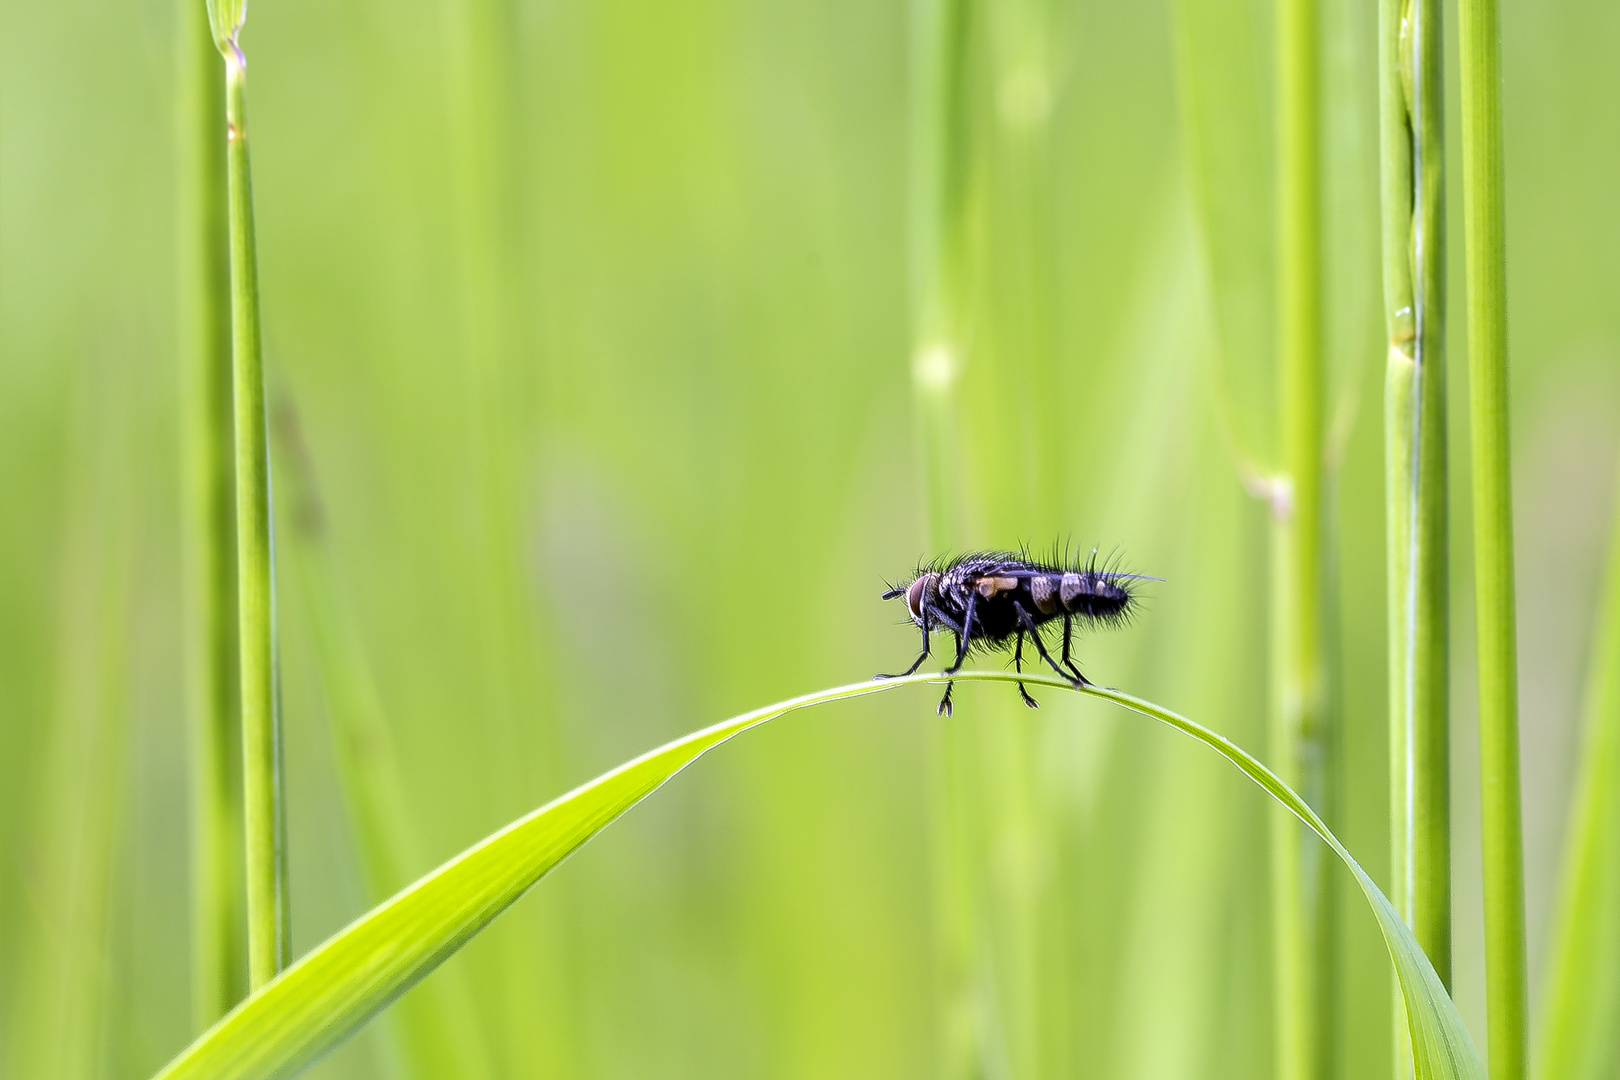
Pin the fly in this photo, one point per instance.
(990, 599)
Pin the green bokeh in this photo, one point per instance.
(594, 320)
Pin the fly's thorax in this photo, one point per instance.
(954, 582)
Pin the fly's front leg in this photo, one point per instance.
(964, 640)
(1018, 666)
(917, 663)
(944, 707)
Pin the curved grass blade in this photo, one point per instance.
(331, 992)
(1441, 1046)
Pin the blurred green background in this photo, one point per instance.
(594, 320)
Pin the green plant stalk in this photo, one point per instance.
(939, 30)
(218, 962)
(439, 1030)
(1501, 834)
(937, 240)
(1025, 981)
(264, 805)
(496, 387)
(1411, 179)
(337, 987)
(57, 1025)
(1298, 737)
(1580, 1040)
(437, 1026)
(486, 220)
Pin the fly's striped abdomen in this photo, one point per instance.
(1093, 593)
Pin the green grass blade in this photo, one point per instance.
(1440, 1044)
(331, 992)
(1581, 1040)
(225, 20)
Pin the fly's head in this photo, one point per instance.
(921, 593)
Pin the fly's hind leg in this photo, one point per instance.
(1018, 666)
(1068, 628)
(1029, 624)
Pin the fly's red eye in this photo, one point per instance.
(914, 596)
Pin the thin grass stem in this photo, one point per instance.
(217, 944)
(1298, 738)
(1502, 842)
(1579, 1038)
(939, 34)
(264, 805)
(437, 1029)
(939, 37)
(1411, 150)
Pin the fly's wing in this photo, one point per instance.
(1103, 596)
(993, 582)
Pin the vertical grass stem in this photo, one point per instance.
(1298, 736)
(217, 955)
(1411, 153)
(939, 30)
(264, 809)
(1579, 1038)
(1502, 844)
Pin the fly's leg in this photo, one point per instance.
(1018, 666)
(963, 641)
(1029, 625)
(917, 663)
(1068, 627)
(965, 638)
(944, 708)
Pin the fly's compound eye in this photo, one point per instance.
(915, 594)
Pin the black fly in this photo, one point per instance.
(990, 598)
